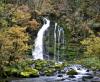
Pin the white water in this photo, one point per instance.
(63, 41)
(59, 42)
(55, 46)
(59, 36)
(37, 53)
(79, 69)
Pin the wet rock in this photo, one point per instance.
(63, 72)
(97, 73)
(72, 76)
(60, 75)
(87, 70)
(78, 68)
(72, 72)
(88, 77)
(66, 69)
(33, 66)
(66, 80)
(61, 78)
(42, 74)
(96, 79)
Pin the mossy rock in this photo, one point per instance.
(29, 72)
(72, 72)
(35, 73)
(51, 64)
(58, 66)
(64, 64)
(49, 71)
(25, 74)
(40, 64)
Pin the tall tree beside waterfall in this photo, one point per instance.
(14, 44)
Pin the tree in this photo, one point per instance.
(92, 46)
(14, 44)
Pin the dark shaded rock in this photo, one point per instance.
(96, 79)
(88, 77)
(72, 76)
(78, 68)
(42, 74)
(59, 71)
(87, 70)
(60, 75)
(97, 73)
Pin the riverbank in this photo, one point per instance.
(39, 69)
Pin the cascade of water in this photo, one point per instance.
(59, 42)
(55, 37)
(37, 53)
(58, 46)
(63, 41)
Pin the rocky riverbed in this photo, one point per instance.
(72, 73)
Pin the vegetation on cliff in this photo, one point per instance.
(20, 21)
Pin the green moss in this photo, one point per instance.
(72, 72)
(29, 72)
(40, 64)
(58, 66)
(25, 74)
(49, 71)
(64, 64)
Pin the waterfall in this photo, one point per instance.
(59, 42)
(58, 52)
(55, 36)
(63, 41)
(37, 53)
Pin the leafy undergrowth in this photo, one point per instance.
(90, 62)
(34, 68)
(31, 68)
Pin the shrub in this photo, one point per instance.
(92, 62)
(11, 71)
(92, 46)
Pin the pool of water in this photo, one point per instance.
(49, 79)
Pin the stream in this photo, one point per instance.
(83, 75)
